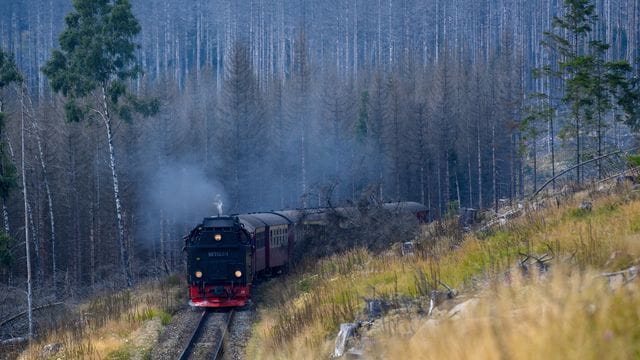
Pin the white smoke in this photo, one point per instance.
(181, 193)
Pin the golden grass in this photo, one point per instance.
(105, 327)
(300, 315)
(570, 315)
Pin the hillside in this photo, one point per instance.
(557, 281)
(582, 303)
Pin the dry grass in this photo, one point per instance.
(570, 315)
(300, 315)
(105, 327)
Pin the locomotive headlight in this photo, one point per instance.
(238, 273)
(199, 274)
(217, 237)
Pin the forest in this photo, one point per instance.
(289, 104)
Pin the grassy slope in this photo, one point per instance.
(118, 325)
(300, 315)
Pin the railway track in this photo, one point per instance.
(207, 339)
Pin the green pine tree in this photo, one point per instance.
(95, 61)
(592, 85)
(8, 73)
(569, 42)
(8, 177)
(609, 85)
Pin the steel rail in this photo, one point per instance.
(219, 348)
(194, 336)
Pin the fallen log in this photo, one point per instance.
(620, 278)
(14, 341)
(14, 317)
(632, 272)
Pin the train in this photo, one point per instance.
(227, 254)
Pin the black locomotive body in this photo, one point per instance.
(219, 263)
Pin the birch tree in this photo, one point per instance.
(91, 69)
(27, 241)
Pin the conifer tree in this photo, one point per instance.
(298, 106)
(608, 86)
(91, 69)
(593, 86)
(239, 124)
(8, 74)
(568, 41)
(8, 181)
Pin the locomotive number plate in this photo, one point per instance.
(218, 253)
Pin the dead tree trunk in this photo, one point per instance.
(39, 280)
(52, 225)
(5, 217)
(95, 218)
(5, 211)
(494, 165)
(92, 245)
(77, 273)
(479, 150)
(163, 257)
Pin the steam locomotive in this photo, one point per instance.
(227, 254)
